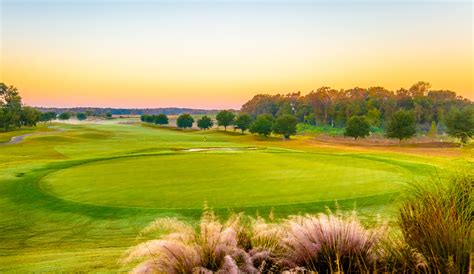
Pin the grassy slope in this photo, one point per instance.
(42, 232)
(6, 136)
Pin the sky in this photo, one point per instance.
(220, 53)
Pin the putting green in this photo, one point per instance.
(224, 179)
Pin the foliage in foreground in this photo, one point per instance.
(435, 224)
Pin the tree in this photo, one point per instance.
(225, 118)
(285, 125)
(460, 123)
(11, 105)
(205, 122)
(64, 116)
(243, 122)
(29, 116)
(262, 125)
(401, 125)
(81, 116)
(185, 121)
(48, 116)
(149, 118)
(373, 117)
(108, 115)
(143, 117)
(356, 127)
(161, 119)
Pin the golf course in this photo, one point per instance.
(75, 195)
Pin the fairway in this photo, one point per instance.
(224, 179)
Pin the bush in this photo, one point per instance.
(262, 125)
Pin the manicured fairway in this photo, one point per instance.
(75, 200)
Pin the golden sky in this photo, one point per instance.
(217, 54)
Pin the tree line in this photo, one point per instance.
(263, 125)
(399, 114)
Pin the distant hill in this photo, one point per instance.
(131, 111)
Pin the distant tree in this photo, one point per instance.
(285, 125)
(108, 115)
(243, 122)
(433, 130)
(149, 118)
(356, 127)
(310, 119)
(373, 116)
(225, 118)
(143, 117)
(89, 113)
(205, 122)
(48, 116)
(161, 119)
(185, 121)
(64, 116)
(29, 116)
(81, 116)
(262, 125)
(460, 123)
(401, 125)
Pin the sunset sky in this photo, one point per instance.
(218, 53)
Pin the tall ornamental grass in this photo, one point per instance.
(433, 236)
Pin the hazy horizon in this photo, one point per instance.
(218, 54)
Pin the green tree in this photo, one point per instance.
(161, 119)
(356, 127)
(225, 118)
(460, 123)
(373, 116)
(401, 125)
(64, 116)
(185, 121)
(285, 125)
(48, 116)
(11, 105)
(29, 116)
(81, 116)
(205, 122)
(108, 115)
(262, 125)
(149, 118)
(243, 122)
(143, 117)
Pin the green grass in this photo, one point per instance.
(74, 200)
(6, 136)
